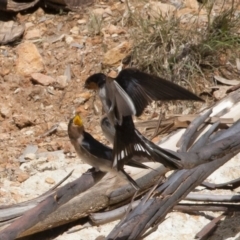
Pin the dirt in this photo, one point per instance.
(28, 110)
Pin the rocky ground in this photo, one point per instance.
(41, 81)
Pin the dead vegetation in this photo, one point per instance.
(187, 49)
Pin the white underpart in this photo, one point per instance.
(122, 154)
(126, 97)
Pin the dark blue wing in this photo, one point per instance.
(96, 148)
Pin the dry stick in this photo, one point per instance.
(58, 184)
(157, 127)
(50, 204)
(50, 131)
(109, 216)
(94, 199)
(213, 207)
(204, 154)
(235, 128)
(221, 108)
(212, 198)
(209, 228)
(227, 185)
(233, 88)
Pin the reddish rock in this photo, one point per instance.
(29, 59)
(42, 79)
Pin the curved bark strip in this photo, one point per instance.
(192, 129)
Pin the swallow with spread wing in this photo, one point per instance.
(126, 95)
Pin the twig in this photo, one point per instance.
(209, 228)
(213, 207)
(228, 185)
(212, 198)
(50, 131)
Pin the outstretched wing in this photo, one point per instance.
(143, 88)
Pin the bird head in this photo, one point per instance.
(95, 81)
(75, 127)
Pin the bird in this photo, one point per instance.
(94, 153)
(132, 90)
(126, 95)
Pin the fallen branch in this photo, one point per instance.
(209, 228)
(212, 198)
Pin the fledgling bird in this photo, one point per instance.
(126, 95)
(95, 153)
